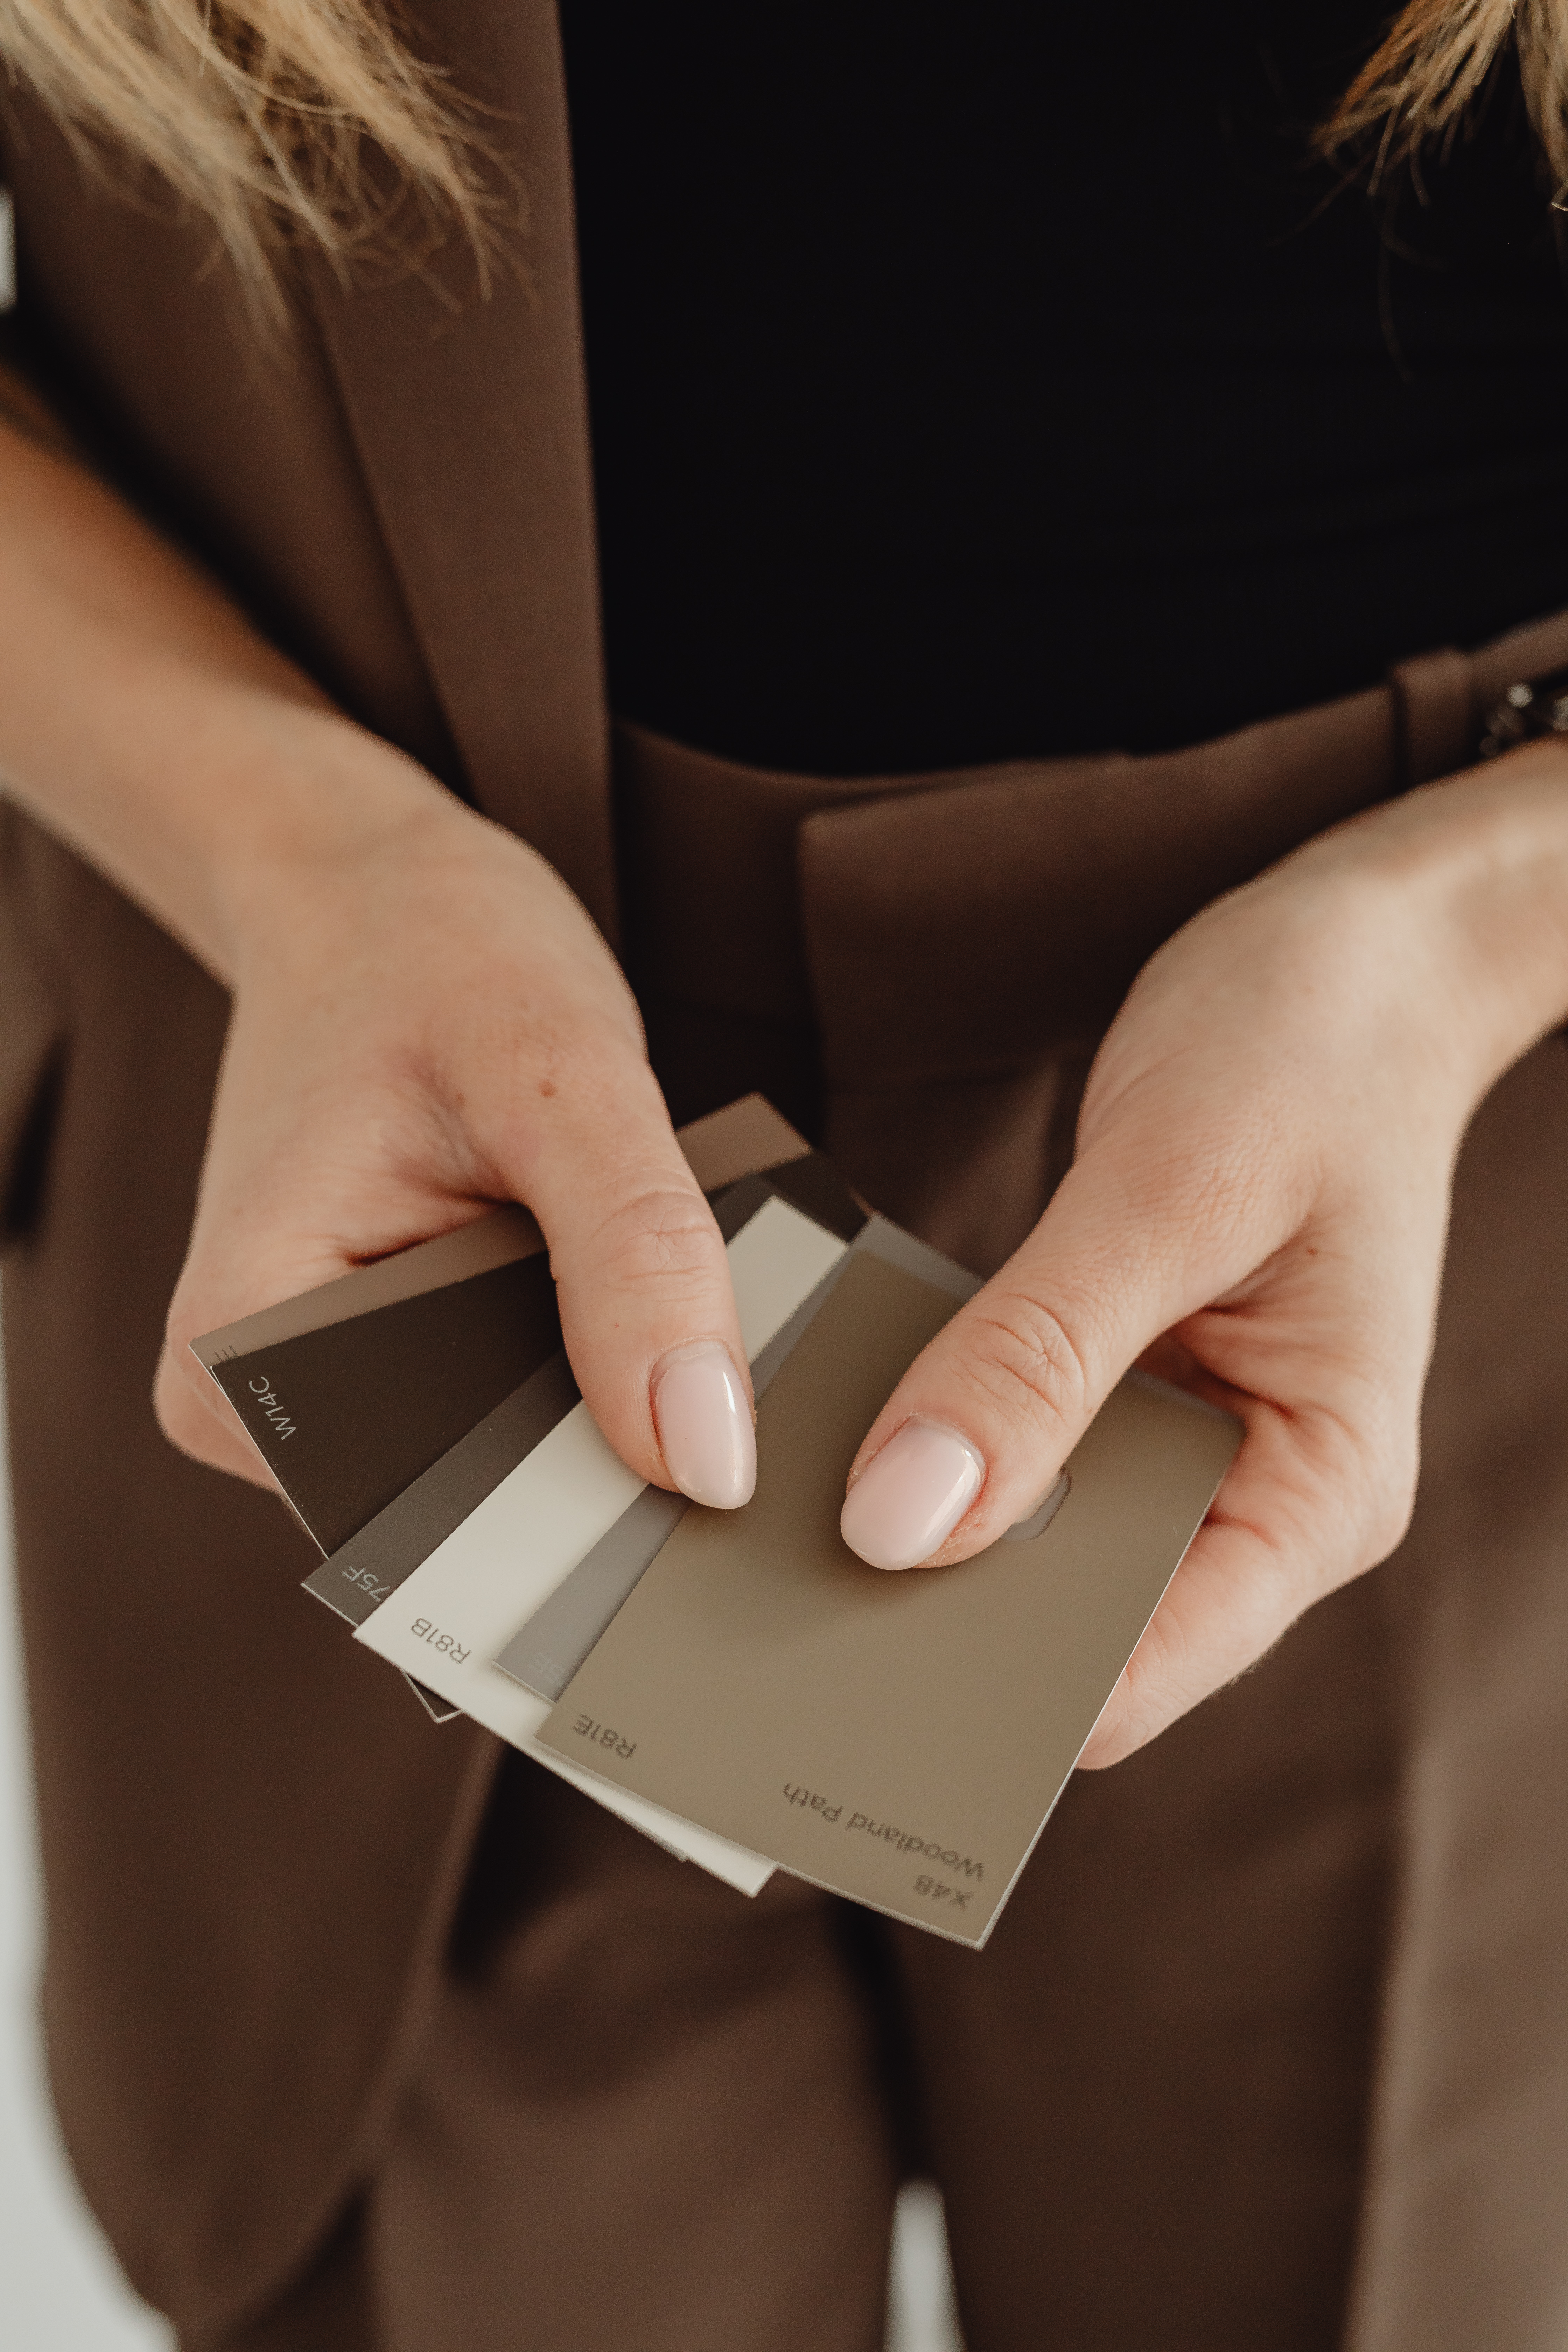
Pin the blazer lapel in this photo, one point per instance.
(470, 417)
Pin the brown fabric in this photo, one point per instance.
(253, 1838)
(471, 425)
(1146, 2103)
(1437, 722)
(243, 450)
(1462, 2242)
(402, 490)
(32, 1023)
(648, 2114)
(652, 2112)
(290, 1854)
(333, 2308)
(1146, 2107)
(22, 408)
(220, 2047)
(924, 963)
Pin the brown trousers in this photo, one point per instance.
(1271, 2047)
(653, 2114)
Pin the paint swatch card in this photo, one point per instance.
(737, 1686)
(450, 1619)
(900, 1739)
(353, 1393)
(347, 1415)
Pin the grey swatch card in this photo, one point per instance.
(900, 1739)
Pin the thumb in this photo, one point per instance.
(643, 1282)
(976, 1433)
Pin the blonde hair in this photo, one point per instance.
(254, 114)
(1419, 84)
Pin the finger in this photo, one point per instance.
(977, 1430)
(643, 1282)
(195, 1415)
(1234, 1598)
(1305, 1509)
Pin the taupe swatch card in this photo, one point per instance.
(738, 1685)
(546, 1652)
(898, 1738)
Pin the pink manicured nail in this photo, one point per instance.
(911, 1495)
(704, 1424)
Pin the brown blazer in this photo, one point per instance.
(253, 1840)
(403, 496)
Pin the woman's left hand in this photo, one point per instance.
(1257, 1208)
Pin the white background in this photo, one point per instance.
(59, 2288)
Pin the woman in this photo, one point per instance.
(969, 396)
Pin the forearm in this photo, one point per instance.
(144, 721)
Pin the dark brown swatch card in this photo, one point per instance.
(346, 1415)
(352, 1393)
(900, 1739)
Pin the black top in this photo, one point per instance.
(1002, 378)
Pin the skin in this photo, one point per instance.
(425, 1021)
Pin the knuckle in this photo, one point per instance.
(1024, 1360)
(577, 1082)
(662, 1239)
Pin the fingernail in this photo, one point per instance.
(911, 1495)
(704, 1424)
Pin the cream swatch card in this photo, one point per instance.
(447, 1622)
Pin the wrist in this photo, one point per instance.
(295, 829)
(1471, 877)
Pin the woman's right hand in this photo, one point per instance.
(425, 1021)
